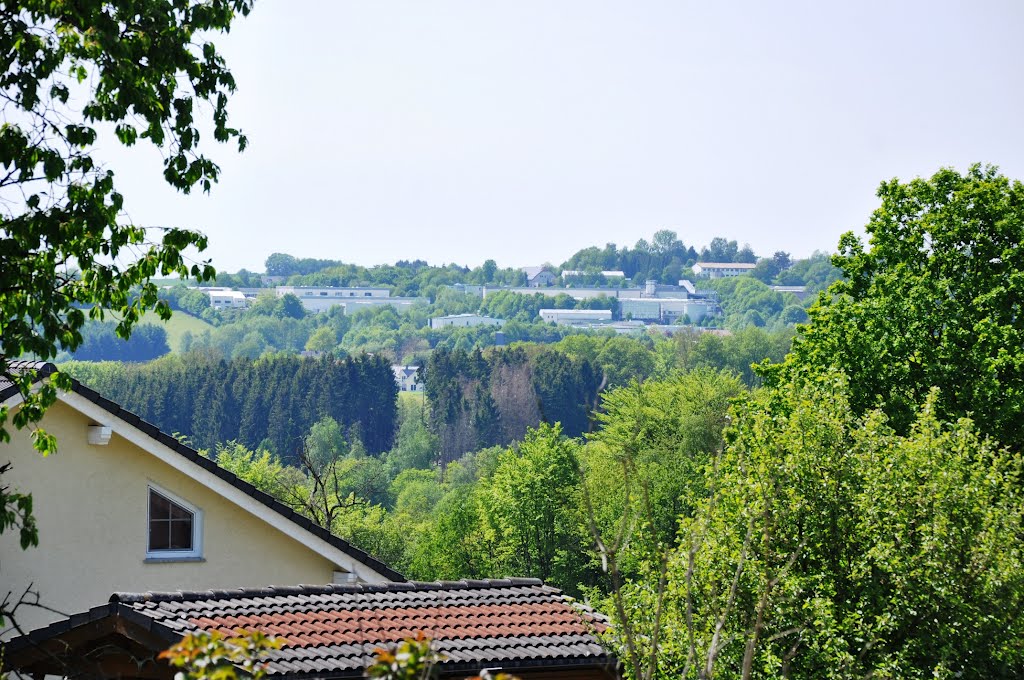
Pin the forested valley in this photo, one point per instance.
(842, 499)
(727, 464)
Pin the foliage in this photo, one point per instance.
(724, 250)
(210, 656)
(531, 508)
(654, 442)
(65, 244)
(478, 401)
(260, 468)
(194, 301)
(620, 358)
(934, 302)
(412, 659)
(100, 342)
(830, 546)
(276, 399)
(736, 352)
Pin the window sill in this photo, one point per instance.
(171, 558)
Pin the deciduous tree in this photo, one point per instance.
(936, 299)
(67, 250)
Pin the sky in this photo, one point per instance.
(524, 131)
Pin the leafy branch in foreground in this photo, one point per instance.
(67, 249)
(210, 656)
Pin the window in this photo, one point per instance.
(175, 527)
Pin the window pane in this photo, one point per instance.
(159, 538)
(159, 507)
(171, 526)
(178, 512)
(181, 535)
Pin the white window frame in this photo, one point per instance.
(196, 553)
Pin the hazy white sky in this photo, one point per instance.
(523, 131)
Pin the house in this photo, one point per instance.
(721, 270)
(516, 626)
(407, 378)
(468, 289)
(570, 316)
(122, 505)
(538, 277)
(332, 292)
(464, 321)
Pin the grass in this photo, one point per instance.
(177, 325)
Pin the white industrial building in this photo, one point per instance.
(564, 317)
(666, 310)
(464, 321)
(721, 270)
(331, 292)
(224, 298)
(316, 299)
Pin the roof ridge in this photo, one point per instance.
(327, 589)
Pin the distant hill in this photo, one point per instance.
(177, 325)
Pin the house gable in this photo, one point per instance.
(91, 505)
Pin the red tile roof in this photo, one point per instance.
(335, 629)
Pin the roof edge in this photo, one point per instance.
(328, 589)
(46, 369)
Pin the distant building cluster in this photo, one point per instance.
(652, 303)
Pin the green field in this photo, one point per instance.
(177, 325)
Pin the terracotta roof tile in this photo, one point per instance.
(337, 627)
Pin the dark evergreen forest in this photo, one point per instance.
(270, 403)
(483, 399)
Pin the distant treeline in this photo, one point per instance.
(100, 343)
(479, 400)
(269, 403)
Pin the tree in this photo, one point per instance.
(720, 250)
(289, 307)
(666, 242)
(322, 340)
(935, 301)
(530, 505)
(490, 267)
(827, 546)
(195, 302)
(66, 247)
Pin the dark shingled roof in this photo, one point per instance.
(333, 631)
(44, 369)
